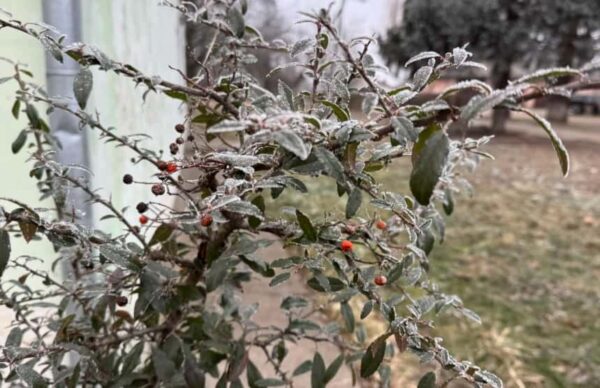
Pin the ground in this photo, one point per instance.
(524, 252)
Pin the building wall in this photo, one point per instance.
(138, 32)
(151, 38)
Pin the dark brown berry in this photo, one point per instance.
(141, 207)
(180, 128)
(121, 300)
(174, 148)
(162, 165)
(158, 189)
(190, 137)
(179, 140)
(127, 179)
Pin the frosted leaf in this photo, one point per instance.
(470, 84)
(421, 77)
(549, 73)
(422, 56)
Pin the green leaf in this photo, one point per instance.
(117, 255)
(303, 368)
(177, 95)
(559, 147)
(427, 381)
(16, 109)
(14, 337)
(216, 273)
(340, 113)
(317, 375)
(161, 234)
(448, 203)
(33, 379)
(292, 142)
(258, 266)
(291, 302)
(282, 277)
(19, 142)
(366, 310)
(82, 86)
(307, 227)
(373, 357)
(193, 375)
(478, 104)
(245, 208)
(4, 250)
(348, 315)
(33, 116)
(335, 284)
(430, 154)
(236, 21)
(354, 201)
(333, 368)
(331, 164)
(269, 382)
(252, 374)
(164, 367)
(422, 56)
(132, 359)
(421, 77)
(284, 90)
(556, 72)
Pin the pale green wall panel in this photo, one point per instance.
(14, 176)
(151, 38)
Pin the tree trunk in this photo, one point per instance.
(499, 79)
(558, 109)
(558, 106)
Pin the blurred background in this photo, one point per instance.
(523, 250)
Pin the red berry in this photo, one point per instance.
(158, 189)
(180, 128)
(162, 165)
(346, 246)
(380, 280)
(171, 167)
(206, 220)
(143, 219)
(127, 179)
(381, 224)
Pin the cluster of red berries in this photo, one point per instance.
(347, 246)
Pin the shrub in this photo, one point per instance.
(159, 303)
